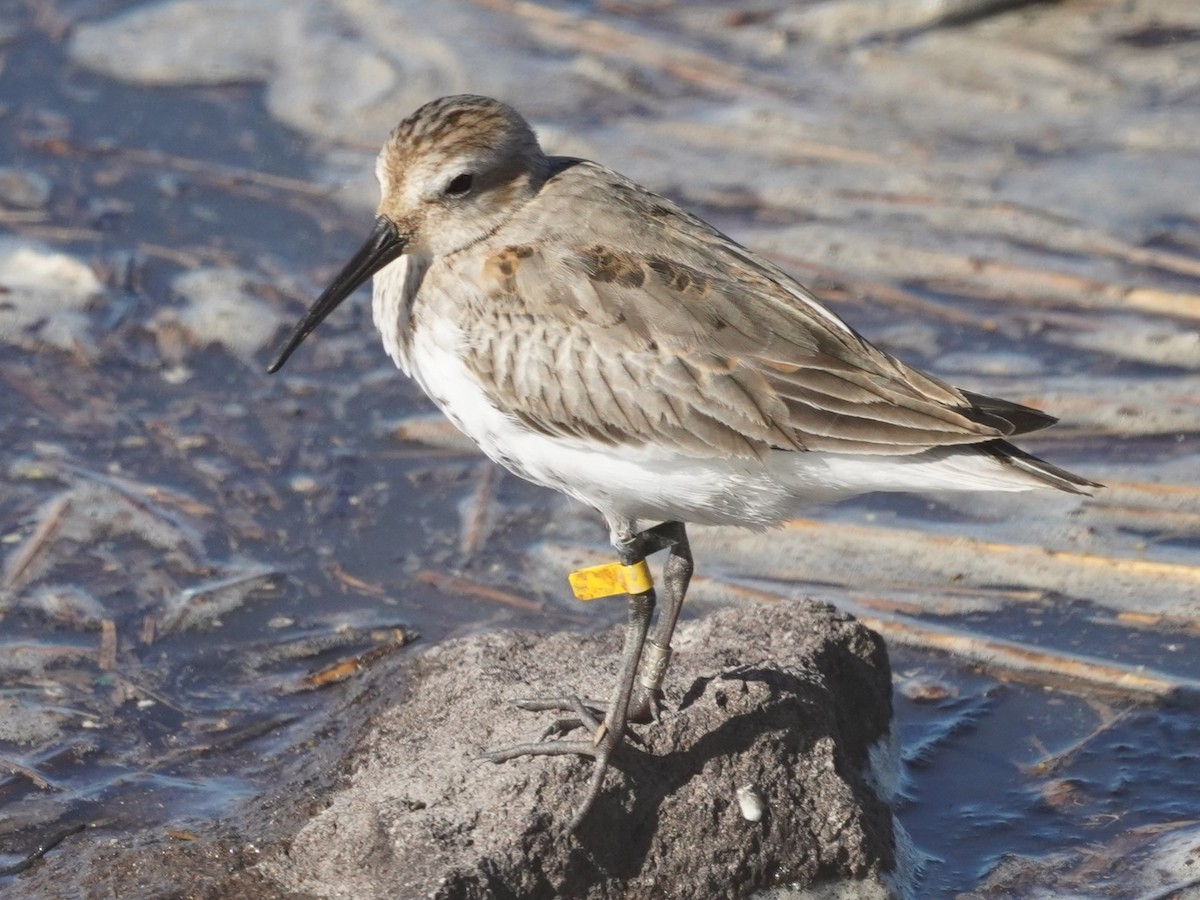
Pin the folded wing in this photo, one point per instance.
(693, 343)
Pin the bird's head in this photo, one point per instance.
(449, 175)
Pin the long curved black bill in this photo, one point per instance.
(383, 245)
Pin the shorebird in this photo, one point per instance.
(595, 338)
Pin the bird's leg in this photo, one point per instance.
(606, 738)
(643, 663)
(656, 654)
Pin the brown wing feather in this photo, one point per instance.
(678, 336)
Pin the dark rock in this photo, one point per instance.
(793, 699)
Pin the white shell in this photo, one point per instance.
(750, 803)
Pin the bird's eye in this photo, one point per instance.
(459, 185)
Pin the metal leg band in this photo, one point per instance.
(655, 660)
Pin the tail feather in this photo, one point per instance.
(1053, 476)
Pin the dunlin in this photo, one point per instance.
(595, 338)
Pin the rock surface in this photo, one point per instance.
(794, 701)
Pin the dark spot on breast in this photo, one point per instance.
(502, 268)
(720, 324)
(522, 251)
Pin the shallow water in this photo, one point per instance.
(187, 540)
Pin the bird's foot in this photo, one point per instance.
(646, 705)
(599, 747)
(587, 714)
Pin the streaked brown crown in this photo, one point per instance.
(466, 121)
(464, 135)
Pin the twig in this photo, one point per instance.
(30, 386)
(21, 216)
(370, 588)
(452, 584)
(45, 845)
(14, 650)
(1052, 762)
(107, 657)
(1050, 225)
(434, 430)
(1029, 663)
(1019, 660)
(787, 149)
(348, 668)
(61, 233)
(208, 600)
(602, 39)
(134, 687)
(313, 645)
(39, 780)
(479, 509)
(1154, 489)
(47, 528)
(191, 259)
(147, 497)
(231, 740)
(1137, 567)
(220, 173)
(1166, 303)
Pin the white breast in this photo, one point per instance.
(392, 293)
